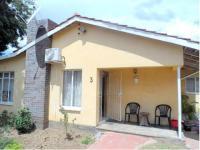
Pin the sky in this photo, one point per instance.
(175, 17)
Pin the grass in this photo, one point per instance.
(87, 140)
(9, 144)
(165, 144)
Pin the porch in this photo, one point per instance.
(149, 87)
(138, 130)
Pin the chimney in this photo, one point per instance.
(36, 91)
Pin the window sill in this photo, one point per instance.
(194, 93)
(71, 108)
(6, 103)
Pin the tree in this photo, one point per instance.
(13, 16)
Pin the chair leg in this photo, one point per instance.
(125, 119)
(128, 117)
(159, 120)
(155, 121)
(169, 120)
(138, 119)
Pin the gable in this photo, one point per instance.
(108, 48)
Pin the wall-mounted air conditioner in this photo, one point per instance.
(53, 55)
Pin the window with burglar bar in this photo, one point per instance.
(192, 85)
(72, 89)
(6, 87)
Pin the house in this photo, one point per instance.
(106, 65)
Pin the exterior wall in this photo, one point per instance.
(156, 86)
(100, 48)
(16, 64)
(193, 97)
(36, 95)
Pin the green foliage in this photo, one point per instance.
(188, 108)
(6, 143)
(7, 119)
(13, 145)
(23, 121)
(13, 16)
(87, 140)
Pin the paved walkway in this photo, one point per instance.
(120, 141)
(138, 130)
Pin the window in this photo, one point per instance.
(6, 87)
(72, 88)
(192, 85)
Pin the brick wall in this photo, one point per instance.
(36, 93)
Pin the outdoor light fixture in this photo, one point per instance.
(135, 76)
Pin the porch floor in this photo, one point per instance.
(138, 130)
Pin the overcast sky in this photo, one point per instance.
(177, 17)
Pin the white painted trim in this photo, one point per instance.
(111, 26)
(142, 33)
(190, 75)
(6, 103)
(71, 108)
(179, 102)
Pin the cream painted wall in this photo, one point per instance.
(156, 86)
(101, 48)
(16, 64)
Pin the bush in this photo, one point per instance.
(7, 119)
(23, 121)
(13, 145)
(87, 140)
(188, 108)
(6, 143)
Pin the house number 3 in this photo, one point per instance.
(91, 79)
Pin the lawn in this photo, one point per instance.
(163, 143)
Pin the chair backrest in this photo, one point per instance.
(133, 108)
(164, 110)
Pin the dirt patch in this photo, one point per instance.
(52, 138)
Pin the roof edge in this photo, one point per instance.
(113, 26)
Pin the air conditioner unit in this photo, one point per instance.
(53, 55)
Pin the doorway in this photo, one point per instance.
(103, 94)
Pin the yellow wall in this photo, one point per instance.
(16, 64)
(101, 48)
(156, 86)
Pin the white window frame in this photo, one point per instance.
(9, 78)
(195, 82)
(72, 108)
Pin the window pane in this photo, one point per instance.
(77, 89)
(6, 75)
(5, 90)
(67, 89)
(1, 75)
(190, 85)
(12, 74)
(197, 84)
(0, 90)
(11, 90)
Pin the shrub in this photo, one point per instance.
(13, 145)
(23, 121)
(9, 144)
(87, 140)
(188, 108)
(7, 119)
